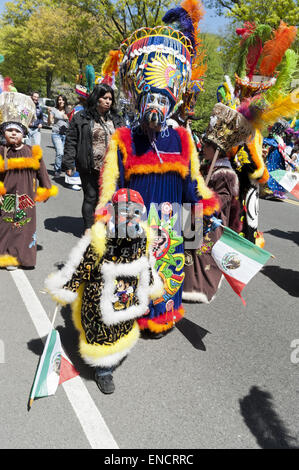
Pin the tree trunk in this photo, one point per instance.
(49, 79)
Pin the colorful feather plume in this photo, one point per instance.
(111, 63)
(187, 16)
(285, 76)
(275, 48)
(251, 46)
(90, 77)
(283, 107)
(252, 108)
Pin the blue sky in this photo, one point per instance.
(211, 22)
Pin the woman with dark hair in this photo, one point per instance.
(86, 142)
(58, 119)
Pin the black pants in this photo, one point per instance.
(90, 187)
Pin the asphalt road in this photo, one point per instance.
(224, 379)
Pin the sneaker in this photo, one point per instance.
(11, 268)
(105, 383)
(76, 187)
(57, 174)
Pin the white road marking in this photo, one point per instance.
(91, 420)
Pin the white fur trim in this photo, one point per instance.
(200, 297)
(55, 282)
(110, 272)
(195, 297)
(107, 361)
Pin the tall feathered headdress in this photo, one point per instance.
(187, 17)
(261, 52)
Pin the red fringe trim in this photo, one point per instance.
(210, 205)
(162, 323)
(149, 163)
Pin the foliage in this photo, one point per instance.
(214, 78)
(262, 11)
(46, 39)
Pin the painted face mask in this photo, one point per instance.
(128, 209)
(154, 109)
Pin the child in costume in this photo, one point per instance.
(109, 279)
(23, 182)
(158, 161)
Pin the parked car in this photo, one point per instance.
(46, 103)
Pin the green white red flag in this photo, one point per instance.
(238, 259)
(54, 368)
(288, 180)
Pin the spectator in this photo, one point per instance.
(34, 131)
(23, 182)
(58, 119)
(86, 143)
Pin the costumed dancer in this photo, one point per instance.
(276, 159)
(156, 160)
(23, 182)
(258, 85)
(227, 129)
(109, 279)
(260, 111)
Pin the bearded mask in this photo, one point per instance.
(154, 109)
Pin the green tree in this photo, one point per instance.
(118, 19)
(262, 11)
(214, 77)
(43, 41)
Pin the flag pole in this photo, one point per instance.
(212, 166)
(31, 400)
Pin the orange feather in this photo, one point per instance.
(275, 48)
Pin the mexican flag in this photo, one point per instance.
(288, 180)
(54, 368)
(238, 259)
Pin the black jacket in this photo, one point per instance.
(39, 117)
(78, 144)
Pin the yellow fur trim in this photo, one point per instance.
(96, 351)
(98, 238)
(111, 170)
(23, 163)
(159, 168)
(7, 260)
(255, 147)
(2, 189)
(42, 194)
(202, 188)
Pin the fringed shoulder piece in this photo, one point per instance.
(23, 163)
